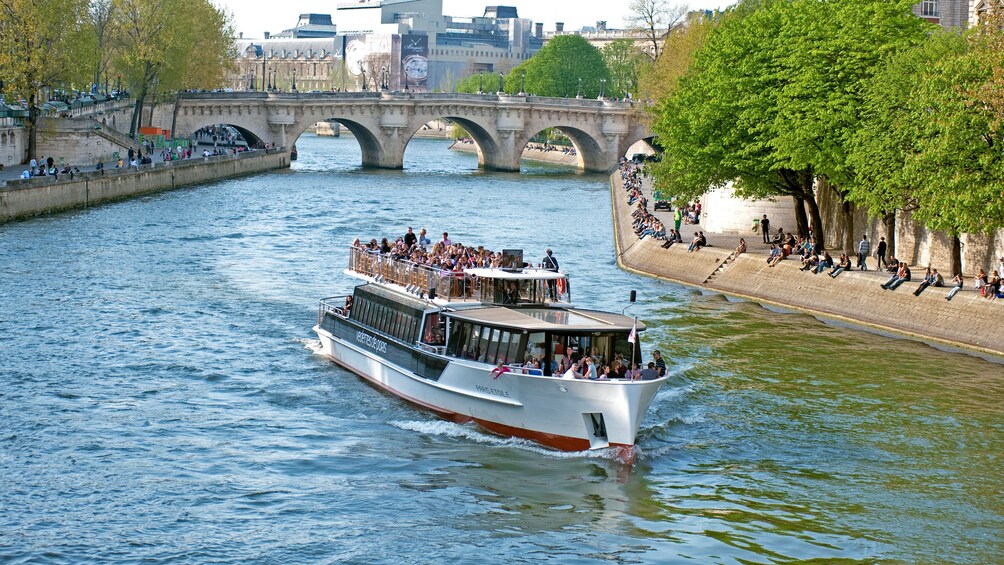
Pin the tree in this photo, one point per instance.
(783, 117)
(558, 68)
(653, 19)
(168, 45)
(99, 21)
(39, 48)
(659, 80)
(624, 60)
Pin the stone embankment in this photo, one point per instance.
(553, 157)
(31, 197)
(968, 321)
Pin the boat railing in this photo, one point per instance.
(334, 305)
(436, 349)
(447, 284)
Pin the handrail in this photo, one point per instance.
(447, 284)
(326, 307)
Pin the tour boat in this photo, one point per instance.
(458, 342)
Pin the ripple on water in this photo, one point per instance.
(162, 397)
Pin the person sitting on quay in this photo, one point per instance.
(809, 262)
(842, 265)
(901, 276)
(699, 242)
(893, 265)
(672, 238)
(993, 286)
(957, 283)
(931, 278)
(774, 257)
(740, 249)
(980, 282)
(826, 262)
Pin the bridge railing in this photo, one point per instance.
(398, 95)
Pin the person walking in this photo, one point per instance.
(863, 248)
(678, 217)
(880, 255)
(765, 228)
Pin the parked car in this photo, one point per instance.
(663, 205)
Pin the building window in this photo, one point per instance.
(929, 8)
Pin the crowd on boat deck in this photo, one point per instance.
(571, 364)
(443, 254)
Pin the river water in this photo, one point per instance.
(161, 399)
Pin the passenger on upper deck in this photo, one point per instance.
(409, 238)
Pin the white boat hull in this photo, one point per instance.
(570, 415)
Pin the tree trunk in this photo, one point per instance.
(889, 221)
(137, 114)
(848, 211)
(806, 179)
(801, 220)
(32, 126)
(956, 255)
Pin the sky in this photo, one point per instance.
(253, 17)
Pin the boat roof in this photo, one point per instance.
(522, 274)
(547, 319)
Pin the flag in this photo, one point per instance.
(497, 371)
(633, 336)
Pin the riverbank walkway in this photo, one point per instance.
(968, 320)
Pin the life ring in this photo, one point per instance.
(560, 286)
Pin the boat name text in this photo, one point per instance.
(492, 391)
(373, 343)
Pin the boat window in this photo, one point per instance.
(433, 333)
(534, 347)
(499, 347)
(512, 355)
(483, 341)
(472, 344)
(460, 333)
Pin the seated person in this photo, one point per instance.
(957, 284)
(931, 278)
(825, 263)
(809, 262)
(843, 265)
(775, 255)
(901, 276)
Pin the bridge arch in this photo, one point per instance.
(589, 146)
(187, 124)
(488, 150)
(373, 151)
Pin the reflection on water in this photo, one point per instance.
(161, 397)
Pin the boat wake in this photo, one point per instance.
(312, 345)
(471, 432)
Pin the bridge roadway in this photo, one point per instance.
(384, 122)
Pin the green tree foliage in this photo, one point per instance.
(933, 141)
(657, 81)
(556, 69)
(168, 45)
(774, 96)
(39, 48)
(625, 61)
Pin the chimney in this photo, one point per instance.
(538, 31)
(601, 26)
(267, 35)
(559, 27)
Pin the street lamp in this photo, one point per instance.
(404, 76)
(603, 88)
(501, 91)
(481, 81)
(579, 93)
(522, 84)
(294, 77)
(383, 77)
(363, 71)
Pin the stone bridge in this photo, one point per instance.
(384, 123)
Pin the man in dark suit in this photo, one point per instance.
(551, 264)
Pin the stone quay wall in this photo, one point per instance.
(554, 157)
(25, 198)
(968, 321)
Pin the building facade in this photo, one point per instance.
(392, 44)
(949, 14)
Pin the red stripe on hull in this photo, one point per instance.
(561, 443)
